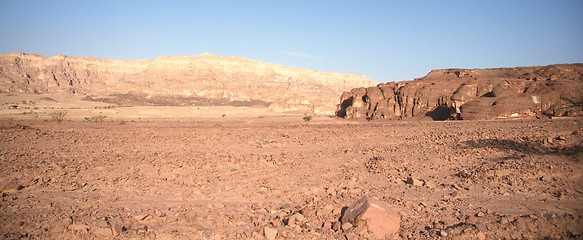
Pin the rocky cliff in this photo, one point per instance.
(554, 90)
(189, 80)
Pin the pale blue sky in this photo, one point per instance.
(386, 40)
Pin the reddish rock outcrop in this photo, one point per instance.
(378, 216)
(554, 90)
(186, 80)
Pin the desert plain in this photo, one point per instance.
(227, 172)
(211, 147)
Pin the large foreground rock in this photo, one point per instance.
(554, 90)
(380, 219)
(182, 80)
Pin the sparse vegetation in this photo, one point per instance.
(58, 116)
(98, 119)
(369, 118)
(307, 118)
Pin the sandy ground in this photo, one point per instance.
(229, 178)
(41, 106)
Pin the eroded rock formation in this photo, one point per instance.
(554, 90)
(191, 80)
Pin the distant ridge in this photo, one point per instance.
(204, 79)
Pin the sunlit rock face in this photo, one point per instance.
(472, 94)
(204, 79)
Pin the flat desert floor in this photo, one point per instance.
(232, 178)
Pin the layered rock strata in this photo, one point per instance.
(187, 80)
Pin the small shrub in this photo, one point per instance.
(368, 118)
(58, 116)
(98, 119)
(307, 118)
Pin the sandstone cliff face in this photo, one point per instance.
(554, 90)
(190, 80)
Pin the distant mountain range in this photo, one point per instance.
(204, 79)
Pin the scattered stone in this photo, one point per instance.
(102, 232)
(361, 230)
(429, 184)
(78, 227)
(505, 220)
(481, 236)
(172, 218)
(414, 181)
(12, 187)
(199, 226)
(294, 219)
(65, 222)
(270, 233)
(306, 211)
(471, 219)
(350, 236)
(550, 140)
(346, 226)
(480, 214)
(118, 229)
(159, 213)
(327, 225)
(141, 217)
(443, 233)
(380, 219)
(171, 229)
(336, 226)
(276, 223)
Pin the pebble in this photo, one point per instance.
(118, 229)
(429, 184)
(78, 227)
(481, 236)
(550, 139)
(414, 181)
(141, 217)
(336, 226)
(443, 233)
(327, 225)
(296, 218)
(361, 230)
(159, 213)
(270, 233)
(102, 232)
(350, 237)
(346, 226)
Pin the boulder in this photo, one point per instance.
(379, 217)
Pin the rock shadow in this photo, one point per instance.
(440, 113)
(343, 106)
(517, 150)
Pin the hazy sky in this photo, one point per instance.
(386, 40)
